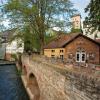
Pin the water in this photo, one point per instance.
(11, 87)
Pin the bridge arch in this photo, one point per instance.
(33, 86)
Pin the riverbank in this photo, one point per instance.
(24, 81)
(3, 62)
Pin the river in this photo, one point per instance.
(11, 86)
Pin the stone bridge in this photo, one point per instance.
(46, 81)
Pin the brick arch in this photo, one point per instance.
(33, 86)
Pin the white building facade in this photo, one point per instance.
(13, 47)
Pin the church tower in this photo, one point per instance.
(76, 21)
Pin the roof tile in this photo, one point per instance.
(60, 40)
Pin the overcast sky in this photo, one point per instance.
(80, 5)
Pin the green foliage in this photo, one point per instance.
(76, 30)
(2, 18)
(19, 72)
(14, 56)
(37, 16)
(48, 38)
(93, 19)
(50, 34)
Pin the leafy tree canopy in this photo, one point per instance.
(93, 19)
(38, 16)
(75, 30)
(2, 18)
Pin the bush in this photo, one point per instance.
(14, 57)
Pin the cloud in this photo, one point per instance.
(80, 5)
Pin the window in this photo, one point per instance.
(52, 50)
(77, 57)
(83, 57)
(80, 57)
(70, 56)
(52, 56)
(61, 50)
(91, 56)
(62, 57)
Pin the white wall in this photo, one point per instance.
(85, 31)
(13, 47)
(2, 51)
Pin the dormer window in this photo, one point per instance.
(52, 50)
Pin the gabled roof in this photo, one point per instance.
(65, 39)
(7, 34)
(60, 41)
(97, 43)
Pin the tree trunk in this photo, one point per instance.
(42, 47)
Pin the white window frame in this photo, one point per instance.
(76, 56)
(84, 57)
(80, 56)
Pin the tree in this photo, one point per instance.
(39, 15)
(75, 30)
(2, 18)
(93, 19)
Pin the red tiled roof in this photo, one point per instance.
(60, 41)
(64, 39)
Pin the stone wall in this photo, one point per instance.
(82, 44)
(83, 87)
(59, 84)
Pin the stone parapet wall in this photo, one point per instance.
(51, 83)
(59, 84)
(86, 88)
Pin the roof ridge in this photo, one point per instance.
(66, 40)
(60, 41)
